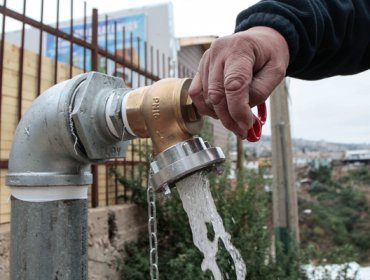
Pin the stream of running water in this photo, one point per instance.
(198, 203)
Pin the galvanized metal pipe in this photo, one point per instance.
(49, 171)
(49, 240)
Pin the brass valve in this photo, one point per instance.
(164, 112)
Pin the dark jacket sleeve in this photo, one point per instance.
(325, 37)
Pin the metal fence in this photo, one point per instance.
(143, 69)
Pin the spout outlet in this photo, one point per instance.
(183, 159)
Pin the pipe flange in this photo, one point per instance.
(183, 159)
(89, 117)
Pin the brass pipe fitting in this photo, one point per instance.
(164, 112)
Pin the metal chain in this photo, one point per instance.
(152, 230)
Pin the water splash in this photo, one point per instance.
(199, 205)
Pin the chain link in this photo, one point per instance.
(152, 230)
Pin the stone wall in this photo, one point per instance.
(108, 229)
(4, 251)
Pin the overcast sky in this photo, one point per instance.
(335, 109)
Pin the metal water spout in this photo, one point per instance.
(165, 113)
(85, 120)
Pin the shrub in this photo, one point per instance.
(246, 213)
(341, 213)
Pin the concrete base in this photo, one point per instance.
(108, 229)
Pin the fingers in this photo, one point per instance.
(196, 94)
(238, 72)
(204, 70)
(238, 76)
(198, 90)
(221, 89)
(218, 99)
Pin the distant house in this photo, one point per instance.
(319, 162)
(360, 156)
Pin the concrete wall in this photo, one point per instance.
(108, 229)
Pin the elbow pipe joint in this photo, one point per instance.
(63, 132)
(43, 151)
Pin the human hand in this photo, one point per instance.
(237, 73)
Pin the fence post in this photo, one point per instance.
(94, 67)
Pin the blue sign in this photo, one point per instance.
(134, 24)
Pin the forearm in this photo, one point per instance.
(325, 37)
